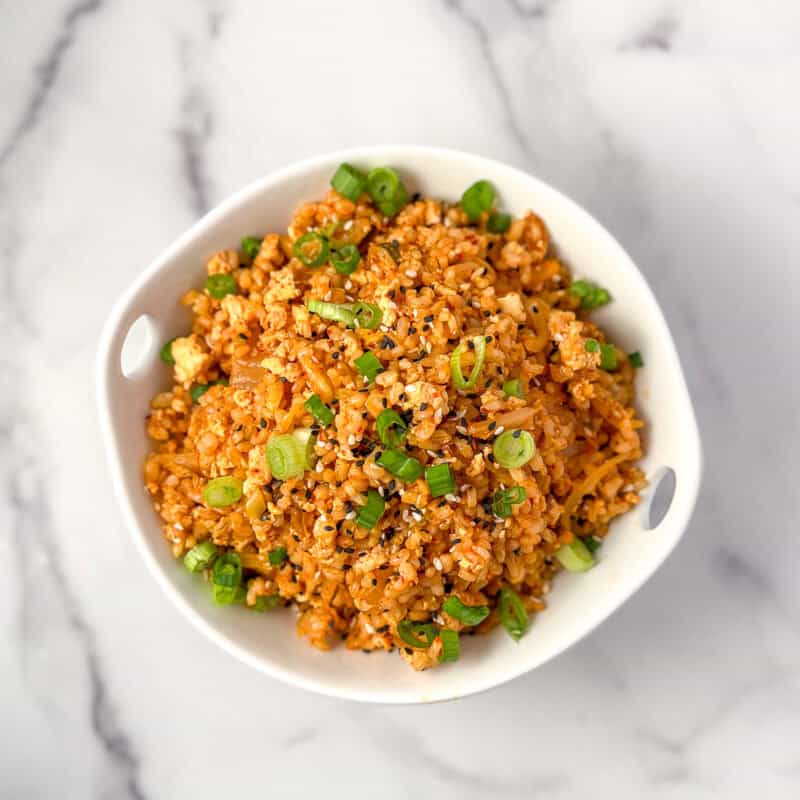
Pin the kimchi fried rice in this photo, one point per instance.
(397, 417)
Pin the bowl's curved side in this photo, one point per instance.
(631, 555)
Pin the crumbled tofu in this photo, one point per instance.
(567, 332)
(512, 305)
(191, 358)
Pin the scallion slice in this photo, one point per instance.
(319, 410)
(477, 199)
(368, 366)
(312, 249)
(592, 544)
(386, 190)
(336, 312)
(608, 357)
(349, 182)
(228, 570)
(289, 455)
(277, 556)
(514, 448)
(504, 499)
(266, 602)
(498, 223)
(166, 352)
(400, 465)
(635, 359)
(392, 428)
(512, 613)
(468, 615)
(451, 647)
(220, 285)
(410, 632)
(372, 510)
(440, 480)
(345, 259)
(592, 346)
(250, 246)
(575, 556)
(221, 492)
(590, 294)
(513, 388)
(456, 374)
(201, 556)
(368, 315)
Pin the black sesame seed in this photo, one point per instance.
(423, 407)
(429, 318)
(262, 423)
(334, 355)
(516, 434)
(243, 336)
(492, 425)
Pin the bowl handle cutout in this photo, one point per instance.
(659, 498)
(139, 347)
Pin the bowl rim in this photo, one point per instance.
(681, 509)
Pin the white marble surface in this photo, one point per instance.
(675, 121)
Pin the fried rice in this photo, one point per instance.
(251, 359)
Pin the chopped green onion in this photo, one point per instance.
(440, 480)
(221, 492)
(368, 366)
(277, 556)
(504, 499)
(575, 556)
(386, 190)
(198, 390)
(468, 615)
(451, 647)
(228, 570)
(312, 249)
(592, 346)
(592, 544)
(392, 428)
(201, 556)
(229, 595)
(393, 249)
(514, 448)
(289, 455)
(635, 359)
(513, 388)
(349, 182)
(166, 352)
(266, 602)
(405, 467)
(456, 375)
(319, 410)
(512, 613)
(336, 312)
(590, 294)
(498, 223)
(410, 631)
(345, 259)
(608, 357)
(220, 285)
(250, 246)
(477, 199)
(368, 315)
(372, 510)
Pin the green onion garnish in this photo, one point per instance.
(410, 631)
(575, 556)
(229, 595)
(498, 223)
(368, 366)
(266, 602)
(166, 352)
(592, 346)
(440, 480)
(456, 375)
(197, 391)
(513, 388)
(451, 648)
(312, 249)
(221, 492)
(504, 499)
(608, 357)
(514, 448)
(201, 556)
(289, 455)
(250, 246)
(228, 570)
(218, 286)
(277, 556)
(402, 466)
(512, 613)
(319, 410)
(635, 359)
(477, 199)
(392, 428)
(372, 510)
(386, 190)
(468, 615)
(393, 249)
(336, 312)
(592, 544)
(345, 259)
(349, 182)
(368, 315)
(590, 294)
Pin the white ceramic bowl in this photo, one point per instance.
(577, 604)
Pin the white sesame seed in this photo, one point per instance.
(452, 498)
(437, 562)
(350, 515)
(498, 430)
(417, 516)
(351, 439)
(431, 453)
(428, 346)
(380, 491)
(348, 285)
(347, 224)
(411, 273)
(461, 429)
(319, 466)
(178, 526)
(368, 628)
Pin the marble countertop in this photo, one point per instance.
(672, 121)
